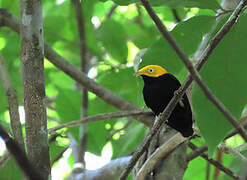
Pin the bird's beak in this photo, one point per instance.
(138, 73)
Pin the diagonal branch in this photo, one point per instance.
(6, 19)
(180, 92)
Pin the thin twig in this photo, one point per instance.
(99, 117)
(215, 163)
(180, 92)
(78, 6)
(194, 73)
(111, 11)
(176, 17)
(159, 154)
(20, 157)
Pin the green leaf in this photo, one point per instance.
(68, 105)
(161, 53)
(113, 38)
(225, 74)
(88, 12)
(52, 31)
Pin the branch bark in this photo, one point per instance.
(32, 66)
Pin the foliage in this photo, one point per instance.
(113, 43)
(223, 74)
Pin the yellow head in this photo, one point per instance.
(151, 71)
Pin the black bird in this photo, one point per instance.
(159, 88)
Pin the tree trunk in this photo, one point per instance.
(32, 66)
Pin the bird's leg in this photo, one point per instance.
(181, 100)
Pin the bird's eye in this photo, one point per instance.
(150, 70)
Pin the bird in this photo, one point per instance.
(159, 88)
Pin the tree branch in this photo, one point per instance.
(180, 92)
(100, 117)
(12, 97)
(6, 19)
(78, 6)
